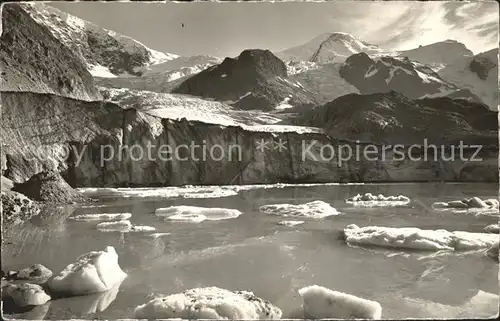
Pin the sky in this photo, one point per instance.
(226, 29)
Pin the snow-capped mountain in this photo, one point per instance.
(33, 60)
(410, 78)
(106, 53)
(329, 47)
(256, 79)
(444, 52)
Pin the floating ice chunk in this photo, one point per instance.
(116, 226)
(290, 223)
(157, 235)
(25, 294)
(415, 238)
(209, 303)
(196, 214)
(212, 194)
(323, 303)
(370, 200)
(493, 252)
(94, 272)
(492, 228)
(101, 217)
(142, 228)
(482, 306)
(316, 209)
(36, 273)
(468, 203)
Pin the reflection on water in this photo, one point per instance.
(253, 252)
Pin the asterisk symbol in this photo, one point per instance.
(262, 145)
(280, 146)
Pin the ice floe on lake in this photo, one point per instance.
(322, 303)
(315, 209)
(492, 228)
(209, 303)
(417, 239)
(26, 294)
(370, 200)
(469, 205)
(290, 223)
(101, 217)
(196, 214)
(483, 305)
(93, 272)
(115, 226)
(124, 226)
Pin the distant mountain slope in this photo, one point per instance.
(392, 118)
(256, 79)
(457, 65)
(194, 63)
(164, 77)
(105, 52)
(325, 81)
(34, 60)
(410, 78)
(444, 52)
(328, 47)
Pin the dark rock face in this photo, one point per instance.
(121, 129)
(17, 208)
(482, 63)
(49, 186)
(392, 118)
(412, 79)
(254, 80)
(33, 60)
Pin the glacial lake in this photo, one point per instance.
(252, 252)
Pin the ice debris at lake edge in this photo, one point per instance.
(315, 209)
(370, 200)
(93, 272)
(196, 214)
(323, 303)
(417, 239)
